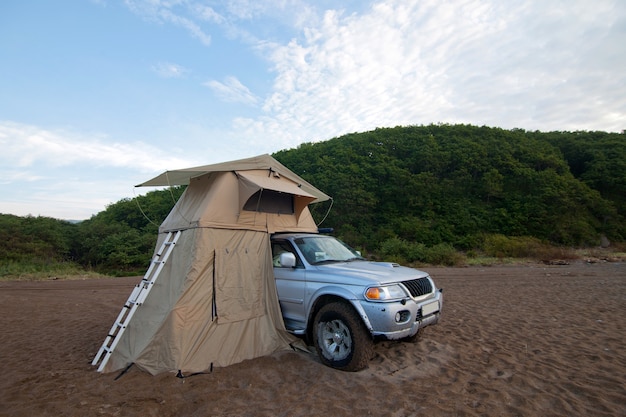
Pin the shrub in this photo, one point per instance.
(403, 251)
(394, 249)
(35, 269)
(443, 254)
(501, 246)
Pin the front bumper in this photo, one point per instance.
(400, 319)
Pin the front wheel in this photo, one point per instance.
(340, 338)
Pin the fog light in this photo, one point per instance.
(402, 316)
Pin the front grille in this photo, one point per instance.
(418, 286)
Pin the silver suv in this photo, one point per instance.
(342, 302)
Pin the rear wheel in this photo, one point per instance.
(340, 338)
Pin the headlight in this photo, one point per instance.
(385, 293)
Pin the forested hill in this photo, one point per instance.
(456, 183)
(417, 193)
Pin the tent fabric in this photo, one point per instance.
(261, 179)
(215, 302)
(217, 200)
(261, 162)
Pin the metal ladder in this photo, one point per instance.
(136, 299)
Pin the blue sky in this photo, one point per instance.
(97, 96)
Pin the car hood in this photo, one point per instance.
(368, 273)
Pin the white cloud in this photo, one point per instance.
(206, 13)
(246, 9)
(26, 146)
(169, 70)
(163, 11)
(232, 90)
(188, 24)
(15, 175)
(556, 65)
(533, 65)
(69, 175)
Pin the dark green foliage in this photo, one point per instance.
(598, 159)
(451, 183)
(35, 244)
(405, 252)
(501, 246)
(414, 194)
(118, 241)
(44, 239)
(121, 239)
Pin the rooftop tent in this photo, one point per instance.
(256, 193)
(214, 302)
(261, 162)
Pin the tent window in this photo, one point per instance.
(270, 201)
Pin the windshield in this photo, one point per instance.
(318, 249)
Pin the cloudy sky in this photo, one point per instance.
(97, 96)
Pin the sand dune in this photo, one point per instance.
(528, 340)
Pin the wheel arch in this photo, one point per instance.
(331, 295)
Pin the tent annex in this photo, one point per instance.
(214, 302)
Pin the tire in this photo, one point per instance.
(340, 338)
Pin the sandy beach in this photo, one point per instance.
(524, 340)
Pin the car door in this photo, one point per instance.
(290, 284)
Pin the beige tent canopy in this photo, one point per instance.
(261, 162)
(214, 302)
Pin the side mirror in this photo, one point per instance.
(287, 260)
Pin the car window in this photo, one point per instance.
(317, 249)
(282, 246)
